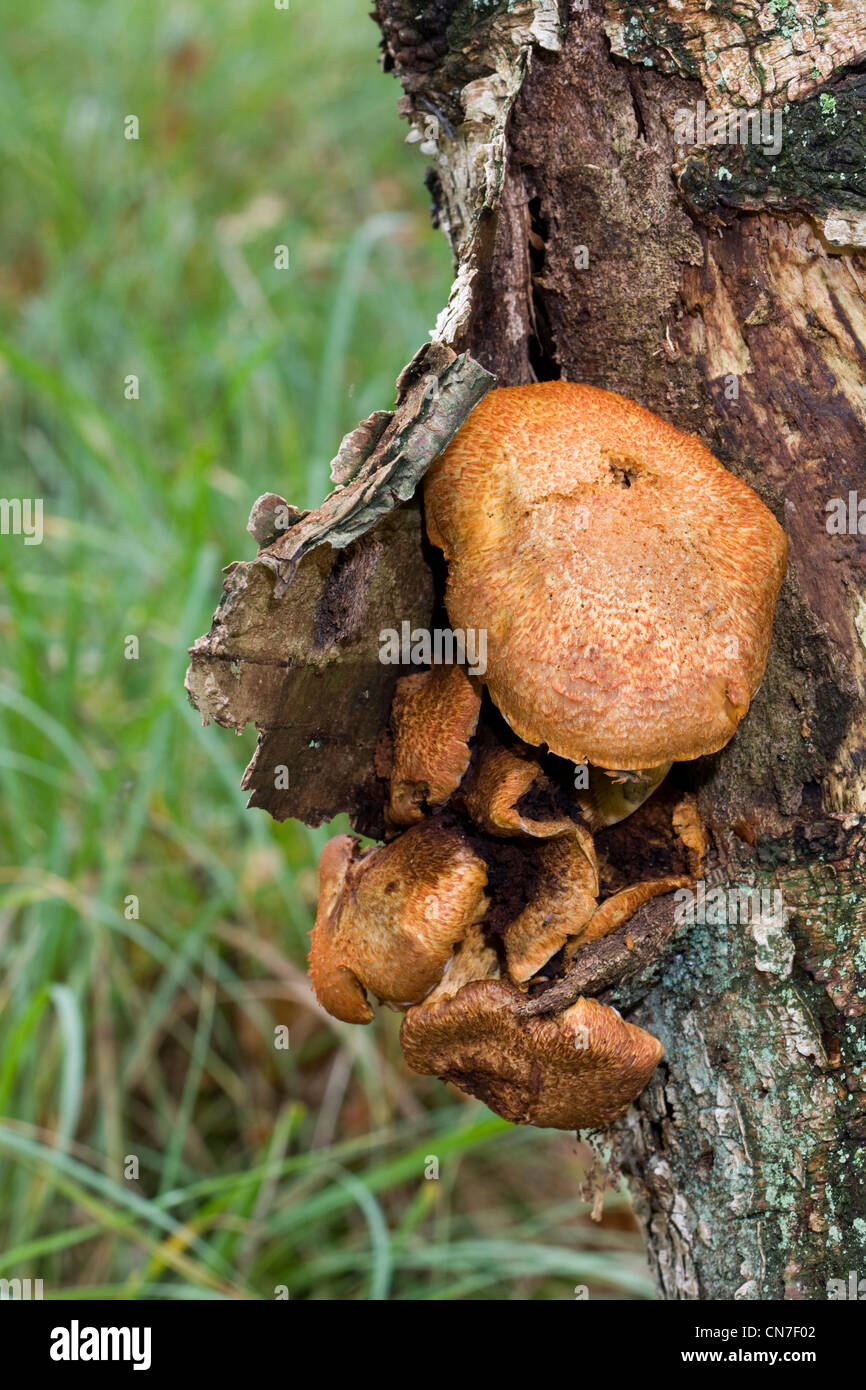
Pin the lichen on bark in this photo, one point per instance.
(761, 1094)
(820, 168)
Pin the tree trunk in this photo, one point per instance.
(723, 288)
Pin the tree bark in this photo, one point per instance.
(724, 290)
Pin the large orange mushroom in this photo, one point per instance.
(626, 580)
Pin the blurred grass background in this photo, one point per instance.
(153, 932)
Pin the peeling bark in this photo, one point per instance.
(305, 670)
(294, 646)
(729, 296)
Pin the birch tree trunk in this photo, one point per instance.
(723, 287)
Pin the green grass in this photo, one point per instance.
(152, 931)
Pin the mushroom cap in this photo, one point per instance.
(388, 919)
(562, 905)
(579, 1069)
(625, 578)
(497, 783)
(433, 716)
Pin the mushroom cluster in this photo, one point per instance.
(626, 583)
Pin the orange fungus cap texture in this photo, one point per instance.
(579, 1069)
(433, 716)
(389, 918)
(625, 578)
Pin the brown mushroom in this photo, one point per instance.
(499, 781)
(561, 906)
(626, 579)
(689, 829)
(433, 716)
(615, 911)
(563, 910)
(579, 1069)
(389, 918)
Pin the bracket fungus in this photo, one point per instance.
(433, 716)
(498, 784)
(389, 918)
(626, 582)
(579, 1069)
(626, 579)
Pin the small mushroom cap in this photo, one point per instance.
(576, 1070)
(625, 578)
(337, 988)
(433, 716)
(388, 919)
(493, 789)
(689, 830)
(562, 905)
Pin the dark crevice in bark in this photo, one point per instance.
(433, 184)
(636, 102)
(542, 349)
